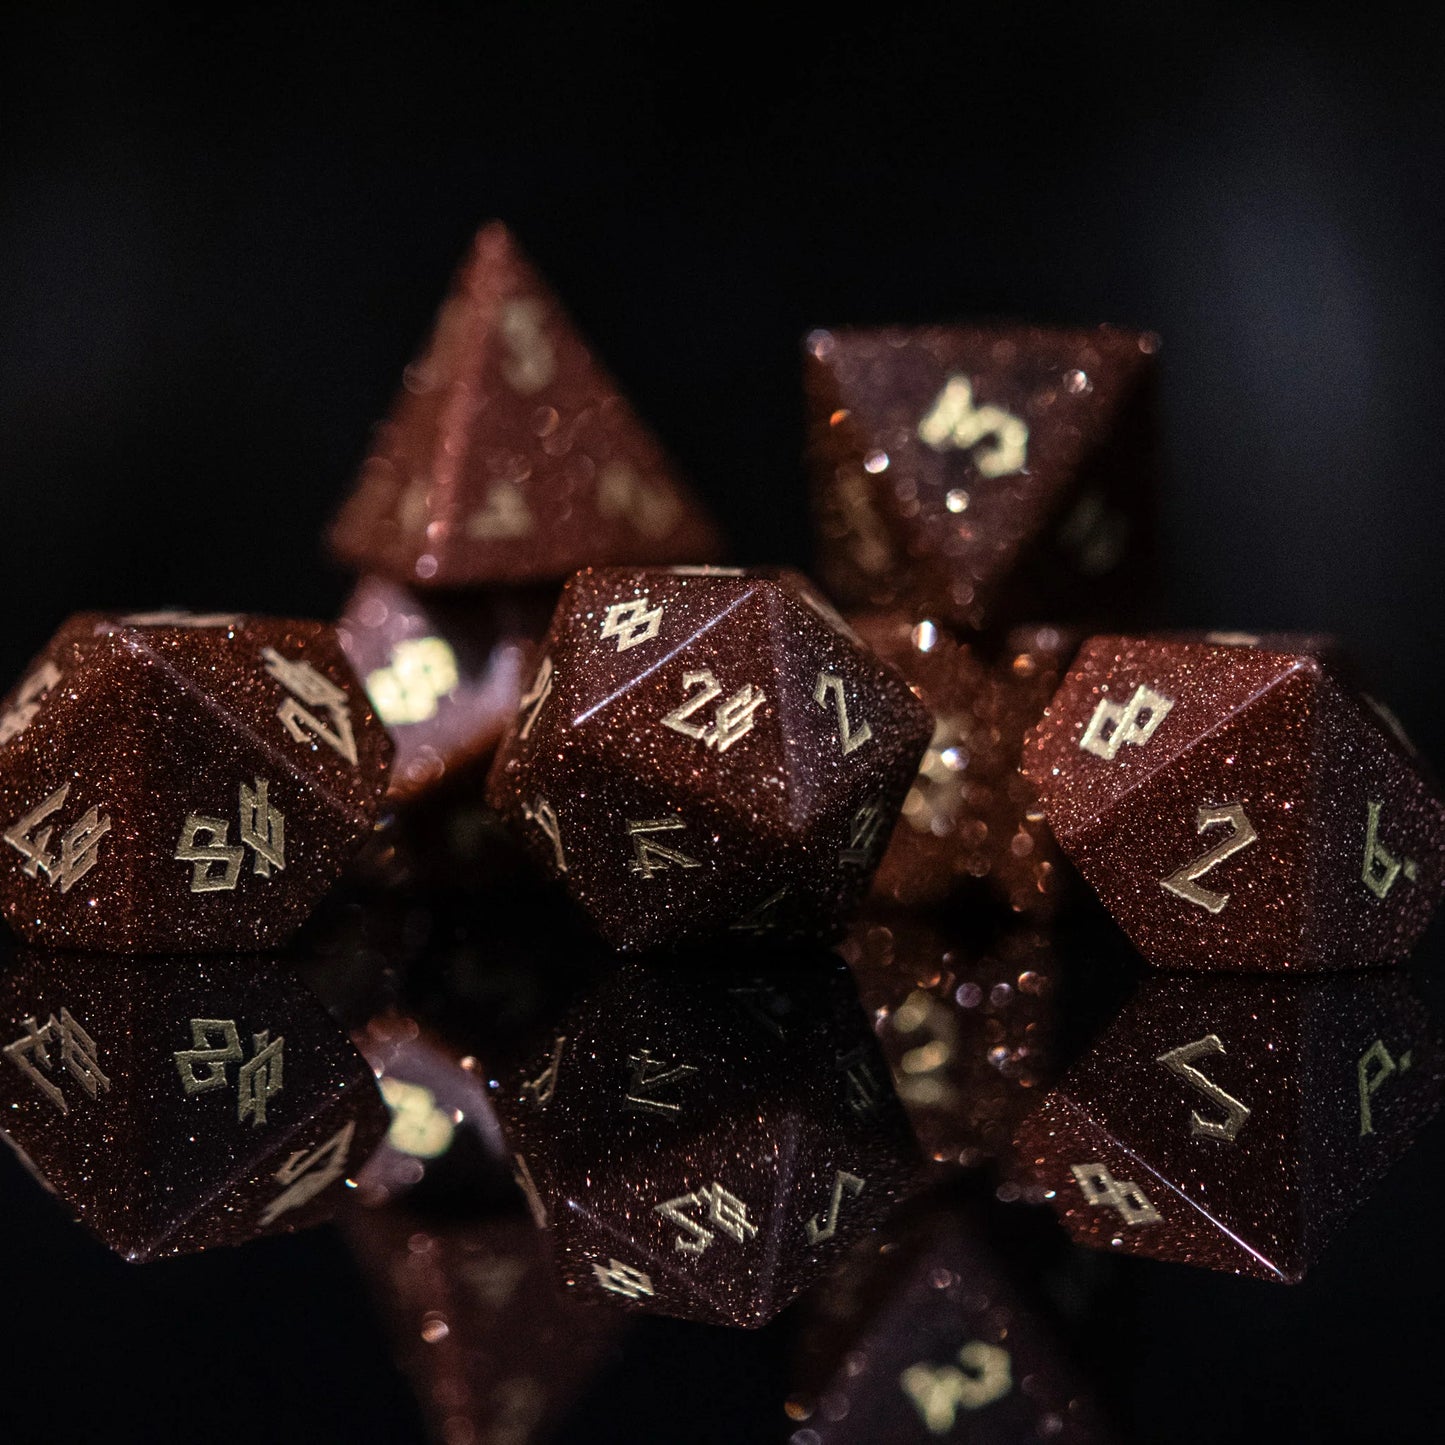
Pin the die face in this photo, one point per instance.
(974, 473)
(178, 1111)
(1229, 1123)
(443, 674)
(703, 1146)
(188, 785)
(510, 456)
(705, 750)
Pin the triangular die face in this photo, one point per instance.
(1206, 863)
(510, 455)
(1378, 870)
(1130, 707)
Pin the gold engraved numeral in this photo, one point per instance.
(422, 671)
(78, 1055)
(1375, 1066)
(541, 1089)
(535, 697)
(648, 855)
(865, 1091)
(259, 1079)
(307, 1175)
(1382, 869)
(1185, 881)
(1134, 722)
(632, 622)
(78, 847)
(765, 916)
(523, 1175)
(939, 1392)
(263, 830)
(1102, 1191)
(503, 516)
(28, 699)
(418, 1126)
(649, 1075)
(724, 1210)
(955, 423)
(619, 1278)
(314, 689)
(544, 815)
(1181, 1062)
(865, 833)
(849, 737)
(652, 509)
(732, 718)
(842, 1180)
(531, 360)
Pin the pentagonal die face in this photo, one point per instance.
(703, 751)
(1235, 808)
(703, 1145)
(173, 783)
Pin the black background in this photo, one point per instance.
(222, 236)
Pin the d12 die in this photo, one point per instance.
(981, 475)
(1236, 808)
(706, 750)
(1233, 1123)
(510, 456)
(177, 1110)
(971, 822)
(444, 674)
(702, 1144)
(174, 783)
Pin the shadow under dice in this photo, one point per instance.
(1236, 808)
(982, 475)
(1234, 1123)
(706, 750)
(175, 1111)
(702, 1145)
(183, 782)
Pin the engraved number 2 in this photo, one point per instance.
(849, 737)
(1185, 881)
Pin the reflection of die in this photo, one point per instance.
(178, 1109)
(177, 782)
(1236, 807)
(704, 750)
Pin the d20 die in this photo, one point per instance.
(1233, 1123)
(707, 750)
(510, 455)
(174, 783)
(702, 1145)
(1236, 808)
(177, 1110)
(981, 475)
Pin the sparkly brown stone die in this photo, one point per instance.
(707, 750)
(443, 672)
(701, 1144)
(510, 455)
(980, 475)
(1234, 1123)
(971, 822)
(173, 783)
(182, 1108)
(1236, 808)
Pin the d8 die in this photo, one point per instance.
(982, 475)
(1236, 807)
(172, 783)
(174, 1111)
(705, 750)
(702, 1145)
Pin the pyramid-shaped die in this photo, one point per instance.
(180, 1109)
(1236, 806)
(982, 474)
(510, 455)
(174, 783)
(703, 1145)
(704, 750)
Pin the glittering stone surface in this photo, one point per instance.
(176, 1109)
(707, 751)
(510, 456)
(443, 672)
(1233, 1123)
(1236, 808)
(172, 783)
(981, 475)
(493, 1350)
(703, 1143)
(971, 823)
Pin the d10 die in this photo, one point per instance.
(510, 456)
(173, 1111)
(1233, 1123)
(981, 475)
(1236, 808)
(702, 1145)
(707, 750)
(172, 783)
